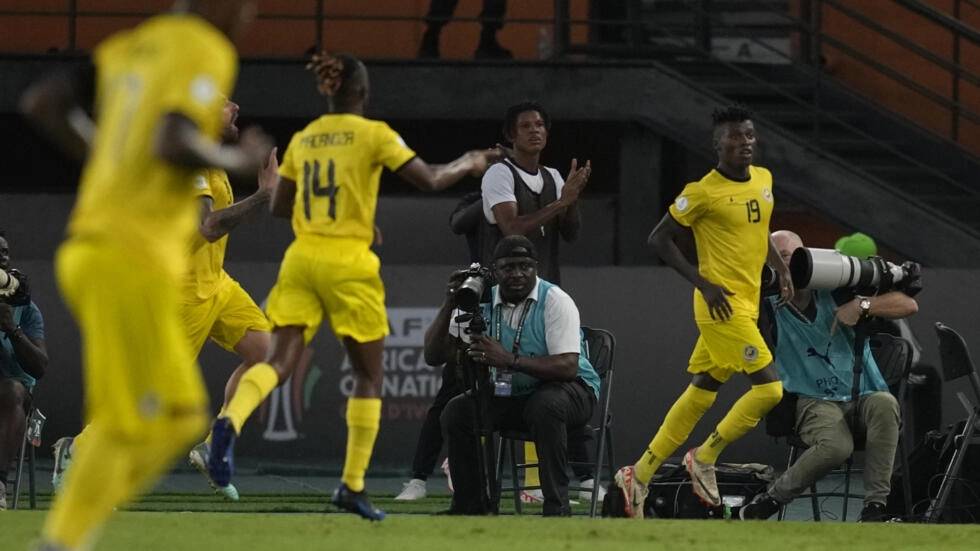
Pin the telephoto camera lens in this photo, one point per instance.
(469, 293)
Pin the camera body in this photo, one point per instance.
(478, 280)
(18, 280)
(829, 269)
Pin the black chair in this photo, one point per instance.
(956, 364)
(893, 355)
(601, 348)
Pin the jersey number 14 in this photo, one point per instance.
(312, 187)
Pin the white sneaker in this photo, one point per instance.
(62, 459)
(634, 493)
(536, 496)
(703, 480)
(585, 494)
(412, 490)
(449, 478)
(532, 496)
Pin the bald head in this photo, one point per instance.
(786, 242)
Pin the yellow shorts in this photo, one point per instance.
(339, 278)
(137, 363)
(727, 347)
(225, 316)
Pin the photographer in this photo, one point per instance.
(814, 346)
(23, 359)
(534, 337)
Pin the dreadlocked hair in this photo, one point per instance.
(329, 73)
(733, 113)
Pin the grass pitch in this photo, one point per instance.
(296, 521)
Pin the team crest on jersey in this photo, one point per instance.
(750, 353)
(200, 182)
(681, 203)
(766, 194)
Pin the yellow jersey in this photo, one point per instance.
(730, 221)
(128, 196)
(207, 259)
(336, 162)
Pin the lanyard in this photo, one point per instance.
(520, 324)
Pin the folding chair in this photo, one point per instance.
(893, 355)
(32, 440)
(956, 363)
(601, 348)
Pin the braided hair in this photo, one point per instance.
(336, 76)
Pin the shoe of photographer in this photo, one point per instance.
(412, 490)
(532, 496)
(449, 478)
(761, 507)
(537, 497)
(585, 494)
(875, 512)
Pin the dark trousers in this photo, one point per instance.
(441, 11)
(546, 414)
(430, 441)
(430, 437)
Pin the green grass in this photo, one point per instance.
(266, 522)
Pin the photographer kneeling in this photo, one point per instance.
(813, 342)
(533, 338)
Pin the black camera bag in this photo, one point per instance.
(671, 495)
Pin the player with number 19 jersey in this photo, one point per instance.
(727, 215)
(336, 162)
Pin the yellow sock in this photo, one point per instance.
(677, 426)
(255, 385)
(363, 420)
(531, 456)
(744, 415)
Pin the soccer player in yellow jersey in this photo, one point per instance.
(159, 91)
(213, 304)
(328, 184)
(728, 213)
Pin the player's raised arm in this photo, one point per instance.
(56, 105)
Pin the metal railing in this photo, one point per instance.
(706, 23)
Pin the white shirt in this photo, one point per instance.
(561, 320)
(498, 185)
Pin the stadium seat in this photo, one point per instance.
(894, 358)
(601, 348)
